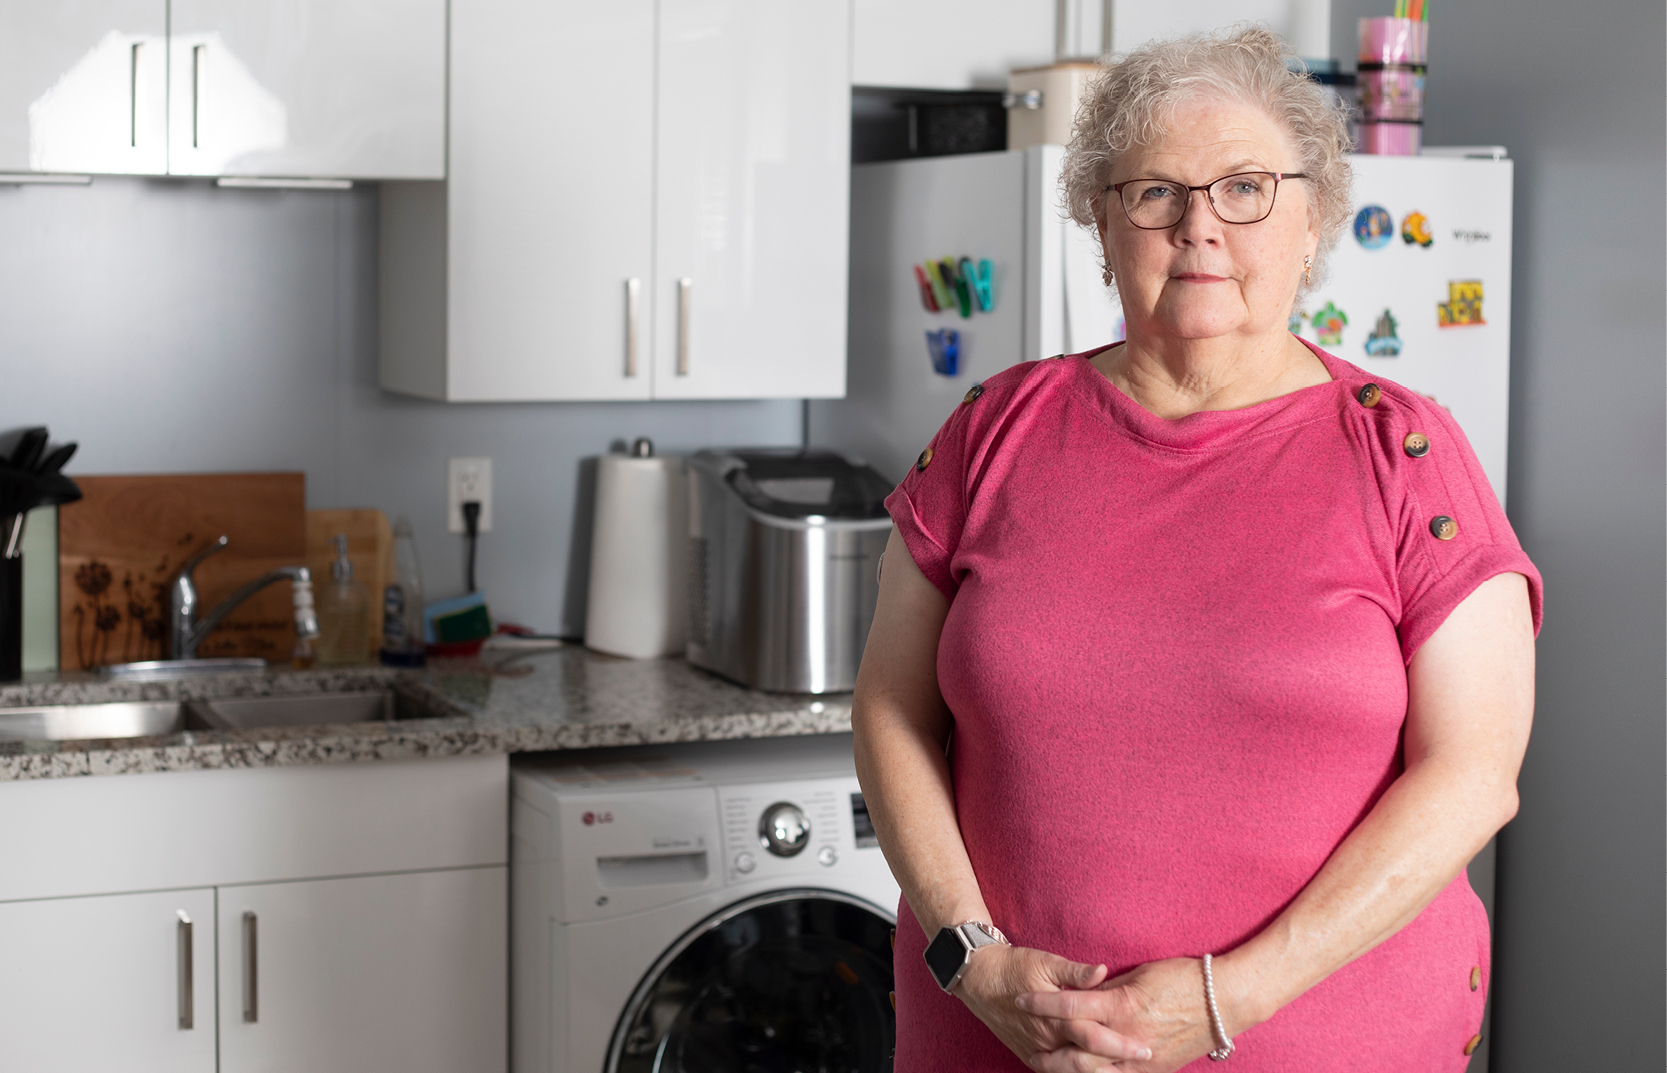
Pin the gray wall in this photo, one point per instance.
(1576, 92)
(171, 326)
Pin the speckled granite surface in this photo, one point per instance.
(568, 698)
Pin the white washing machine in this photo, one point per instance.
(719, 907)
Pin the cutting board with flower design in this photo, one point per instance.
(121, 546)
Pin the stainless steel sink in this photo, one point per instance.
(67, 722)
(135, 719)
(307, 709)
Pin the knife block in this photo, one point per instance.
(11, 619)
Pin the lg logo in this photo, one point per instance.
(593, 818)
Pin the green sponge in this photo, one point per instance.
(463, 618)
(469, 624)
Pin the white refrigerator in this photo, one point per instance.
(1419, 289)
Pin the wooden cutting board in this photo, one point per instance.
(121, 546)
(370, 548)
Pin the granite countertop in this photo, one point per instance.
(566, 698)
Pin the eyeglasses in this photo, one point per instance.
(1243, 198)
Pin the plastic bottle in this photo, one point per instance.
(402, 603)
(343, 614)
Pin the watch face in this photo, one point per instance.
(945, 955)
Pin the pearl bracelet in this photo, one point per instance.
(1225, 1050)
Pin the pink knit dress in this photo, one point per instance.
(1176, 656)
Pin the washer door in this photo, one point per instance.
(794, 981)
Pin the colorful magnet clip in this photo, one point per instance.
(982, 285)
(926, 297)
(964, 284)
(941, 292)
(945, 346)
(959, 297)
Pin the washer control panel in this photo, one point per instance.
(800, 828)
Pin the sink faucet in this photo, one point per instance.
(188, 632)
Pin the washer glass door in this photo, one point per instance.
(794, 981)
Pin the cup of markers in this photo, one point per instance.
(1393, 53)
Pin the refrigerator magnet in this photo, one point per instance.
(1374, 227)
(940, 290)
(983, 284)
(944, 344)
(1329, 323)
(1383, 342)
(926, 299)
(1463, 307)
(1415, 230)
(959, 284)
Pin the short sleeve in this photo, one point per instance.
(929, 508)
(1452, 534)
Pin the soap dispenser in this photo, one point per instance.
(343, 613)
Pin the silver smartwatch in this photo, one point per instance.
(949, 954)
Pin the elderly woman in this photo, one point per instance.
(1203, 663)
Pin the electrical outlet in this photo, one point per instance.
(468, 479)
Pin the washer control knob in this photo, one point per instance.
(784, 829)
(827, 856)
(745, 862)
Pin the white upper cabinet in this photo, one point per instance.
(310, 88)
(752, 199)
(644, 200)
(957, 44)
(83, 86)
(550, 201)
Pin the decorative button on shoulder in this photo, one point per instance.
(1416, 444)
(1475, 1042)
(973, 393)
(1475, 975)
(924, 460)
(1443, 527)
(1368, 395)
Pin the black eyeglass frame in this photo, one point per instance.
(1277, 177)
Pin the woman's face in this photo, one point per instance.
(1202, 278)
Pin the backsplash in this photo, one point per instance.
(171, 326)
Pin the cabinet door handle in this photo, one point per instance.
(251, 970)
(133, 96)
(187, 1000)
(633, 302)
(685, 300)
(196, 92)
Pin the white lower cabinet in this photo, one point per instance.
(124, 981)
(393, 973)
(339, 917)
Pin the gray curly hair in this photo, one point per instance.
(1132, 100)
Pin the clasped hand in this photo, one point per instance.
(1062, 1016)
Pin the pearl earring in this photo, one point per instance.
(1308, 269)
